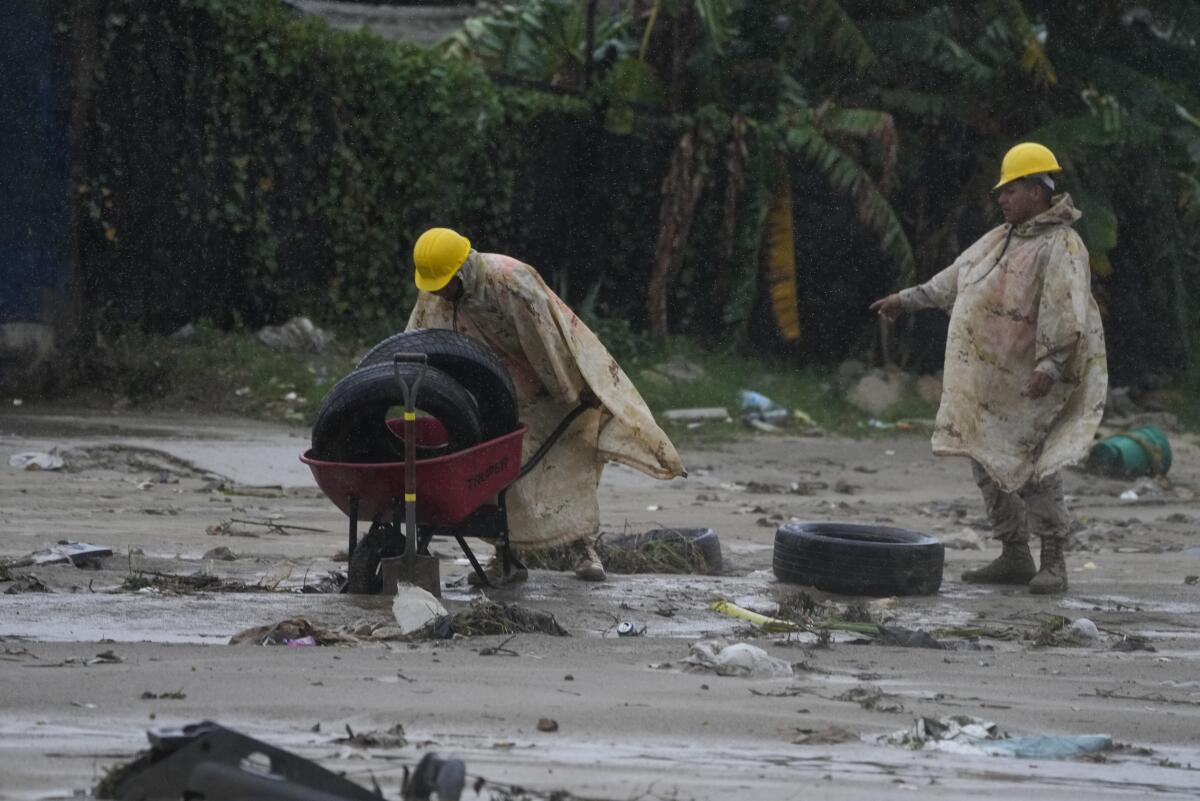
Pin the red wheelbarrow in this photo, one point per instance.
(458, 495)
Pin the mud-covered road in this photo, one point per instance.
(163, 491)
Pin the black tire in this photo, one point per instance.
(351, 423)
(469, 362)
(362, 574)
(705, 540)
(857, 559)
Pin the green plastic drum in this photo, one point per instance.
(1143, 451)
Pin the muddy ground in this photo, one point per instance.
(162, 491)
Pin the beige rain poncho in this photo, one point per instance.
(552, 356)
(1014, 308)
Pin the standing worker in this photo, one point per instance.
(556, 363)
(1025, 374)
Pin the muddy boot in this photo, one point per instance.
(588, 566)
(1052, 578)
(497, 576)
(1013, 566)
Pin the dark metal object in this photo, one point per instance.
(208, 761)
(446, 777)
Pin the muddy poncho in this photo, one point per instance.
(552, 357)
(1019, 300)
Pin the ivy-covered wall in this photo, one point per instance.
(242, 163)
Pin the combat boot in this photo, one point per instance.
(588, 566)
(494, 570)
(1052, 578)
(1013, 566)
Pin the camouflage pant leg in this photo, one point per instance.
(1005, 510)
(1047, 515)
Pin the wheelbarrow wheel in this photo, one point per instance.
(352, 426)
(468, 361)
(363, 576)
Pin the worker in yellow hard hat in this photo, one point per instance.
(556, 363)
(1025, 376)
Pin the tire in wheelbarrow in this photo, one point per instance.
(352, 421)
(855, 559)
(468, 361)
(362, 574)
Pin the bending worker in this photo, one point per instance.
(556, 363)
(1025, 373)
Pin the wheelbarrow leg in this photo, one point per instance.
(353, 541)
(508, 559)
(483, 579)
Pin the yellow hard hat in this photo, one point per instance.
(438, 254)
(1027, 158)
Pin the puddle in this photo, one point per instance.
(208, 618)
(1125, 603)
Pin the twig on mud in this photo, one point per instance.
(499, 650)
(276, 525)
(1157, 698)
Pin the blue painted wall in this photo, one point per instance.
(36, 205)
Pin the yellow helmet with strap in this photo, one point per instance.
(1027, 158)
(438, 255)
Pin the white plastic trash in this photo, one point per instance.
(414, 608)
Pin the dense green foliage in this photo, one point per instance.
(243, 163)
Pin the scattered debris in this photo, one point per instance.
(1191, 580)
(488, 617)
(1133, 642)
(286, 631)
(297, 334)
(906, 638)
(762, 621)
(62, 552)
(649, 552)
(415, 608)
(36, 460)
(681, 370)
(1086, 629)
(547, 724)
(389, 738)
(178, 695)
(962, 734)
(830, 735)
(171, 584)
(24, 582)
(500, 650)
(739, 659)
(432, 776)
(221, 554)
(628, 629)
(871, 698)
(710, 414)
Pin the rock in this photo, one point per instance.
(220, 553)
(297, 334)
(848, 373)
(680, 369)
(929, 389)
(653, 378)
(877, 391)
(184, 333)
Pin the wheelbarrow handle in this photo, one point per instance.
(554, 437)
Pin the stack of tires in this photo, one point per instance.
(464, 387)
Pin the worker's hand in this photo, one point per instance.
(589, 399)
(1038, 385)
(889, 308)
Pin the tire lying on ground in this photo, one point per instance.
(352, 421)
(468, 361)
(704, 540)
(856, 559)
